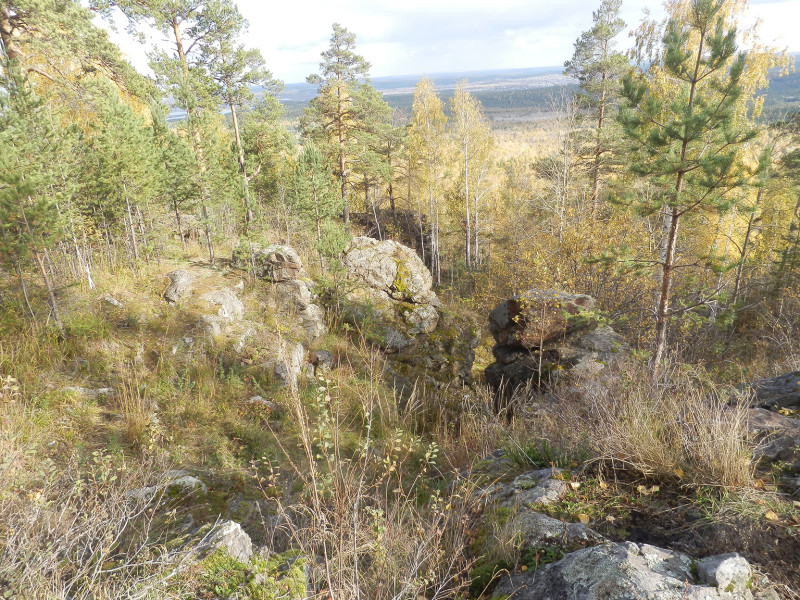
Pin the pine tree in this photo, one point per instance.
(182, 75)
(235, 69)
(685, 134)
(179, 173)
(372, 125)
(316, 200)
(29, 219)
(125, 165)
(330, 119)
(599, 67)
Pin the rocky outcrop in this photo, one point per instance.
(227, 313)
(287, 366)
(176, 483)
(230, 536)
(295, 296)
(782, 391)
(274, 263)
(778, 437)
(392, 303)
(542, 334)
(293, 290)
(627, 570)
(180, 284)
(390, 269)
(542, 486)
(537, 530)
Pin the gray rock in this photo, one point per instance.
(422, 319)
(230, 307)
(274, 263)
(537, 530)
(778, 436)
(534, 487)
(287, 368)
(175, 483)
(544, 335)
(295, 296)
(391, 268)
(114, 302)
(322, 360)
(395, 341)
(260, 401)
(230, 536)
(393, 305)
(180, 284)
(89, 392)
(728, 572)
(537, 316)
(781, 391)
(623, 571)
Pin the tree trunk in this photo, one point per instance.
(24, 287)
(662, 312)
(180, 226)
(134, 241)
(466, 205)
(248, 209)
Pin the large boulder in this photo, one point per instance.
(180, 284)
(627, 570)
(778, 437)
(541, 335)
(390, 301)
(274, 263)
(530, 319)
(230, 536)
(225, 310)
(295, 296)
(781, 391)
(391, 268)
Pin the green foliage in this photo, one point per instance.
(484, 577)
(29, 219)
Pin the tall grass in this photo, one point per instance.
(374, 512)
(683, 428)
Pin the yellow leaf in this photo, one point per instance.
(583, 518)
(678, 473)
(603, 485)
(771, 515)
(523, 568)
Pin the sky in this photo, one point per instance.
(410, 37)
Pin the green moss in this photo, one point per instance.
(484, 577)
(221, 576)
(400, 283)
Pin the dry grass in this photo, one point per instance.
(372, 509)
(69, 527)
(682, 429)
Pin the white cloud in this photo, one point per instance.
(416, 36)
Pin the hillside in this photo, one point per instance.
(401, 338)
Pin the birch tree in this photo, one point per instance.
(428, 147)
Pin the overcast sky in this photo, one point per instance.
(409, 37)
